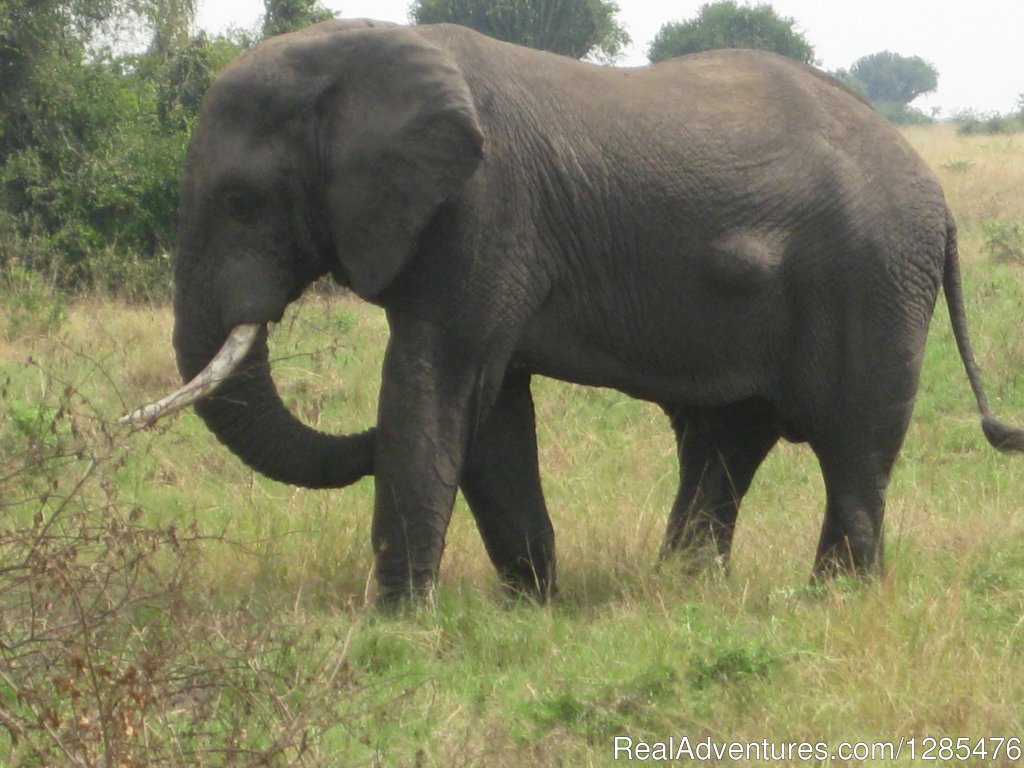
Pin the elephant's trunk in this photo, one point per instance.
(247, 415)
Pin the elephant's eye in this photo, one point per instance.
(241, 204)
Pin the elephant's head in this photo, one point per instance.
(323, 151)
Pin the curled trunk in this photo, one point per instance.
(247, 415)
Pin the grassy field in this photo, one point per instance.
(161, 605)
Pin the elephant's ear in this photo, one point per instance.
(400, 136)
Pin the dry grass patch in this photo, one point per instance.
(981, 176)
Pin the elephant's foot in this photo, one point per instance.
(529, 581)
(396, 601)
(852, 541)
(700, 540)
(842, 562)
(695, 556)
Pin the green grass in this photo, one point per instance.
(160, 604)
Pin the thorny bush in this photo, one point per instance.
(108, 655)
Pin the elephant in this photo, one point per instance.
(733, 236)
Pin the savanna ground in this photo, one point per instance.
(161, 605)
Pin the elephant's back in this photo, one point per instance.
(753, 100)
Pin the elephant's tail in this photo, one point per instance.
(1002, 436)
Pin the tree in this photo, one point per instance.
(92, 138)
(890, 82)
(281, 16)
(36, 37)
(170, 21)
(570, 27)
(887, 77)
(727, 24)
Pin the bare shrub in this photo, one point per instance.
(109, 654)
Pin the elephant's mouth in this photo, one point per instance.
(223, 364)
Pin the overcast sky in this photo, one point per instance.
(977, 46)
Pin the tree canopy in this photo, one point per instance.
(280, 16)
(574, 28)
(890, 77)
(890, 82)
(728, 24)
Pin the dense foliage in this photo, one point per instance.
(282, 16)
(92, 135)
(570, 27)
(728, 24)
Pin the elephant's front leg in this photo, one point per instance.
(501, 482)
(432, 394)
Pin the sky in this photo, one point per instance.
(976, 47)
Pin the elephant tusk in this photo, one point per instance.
(234, 350)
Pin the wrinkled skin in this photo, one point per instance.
(732, 236)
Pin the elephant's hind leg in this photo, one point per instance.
(857, 446)
(856, 476)
(720, 449)
(501, 482)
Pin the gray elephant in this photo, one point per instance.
(733, 236)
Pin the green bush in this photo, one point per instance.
(732, 662)
(1004, 240)
(992, 124)
(106, 180)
